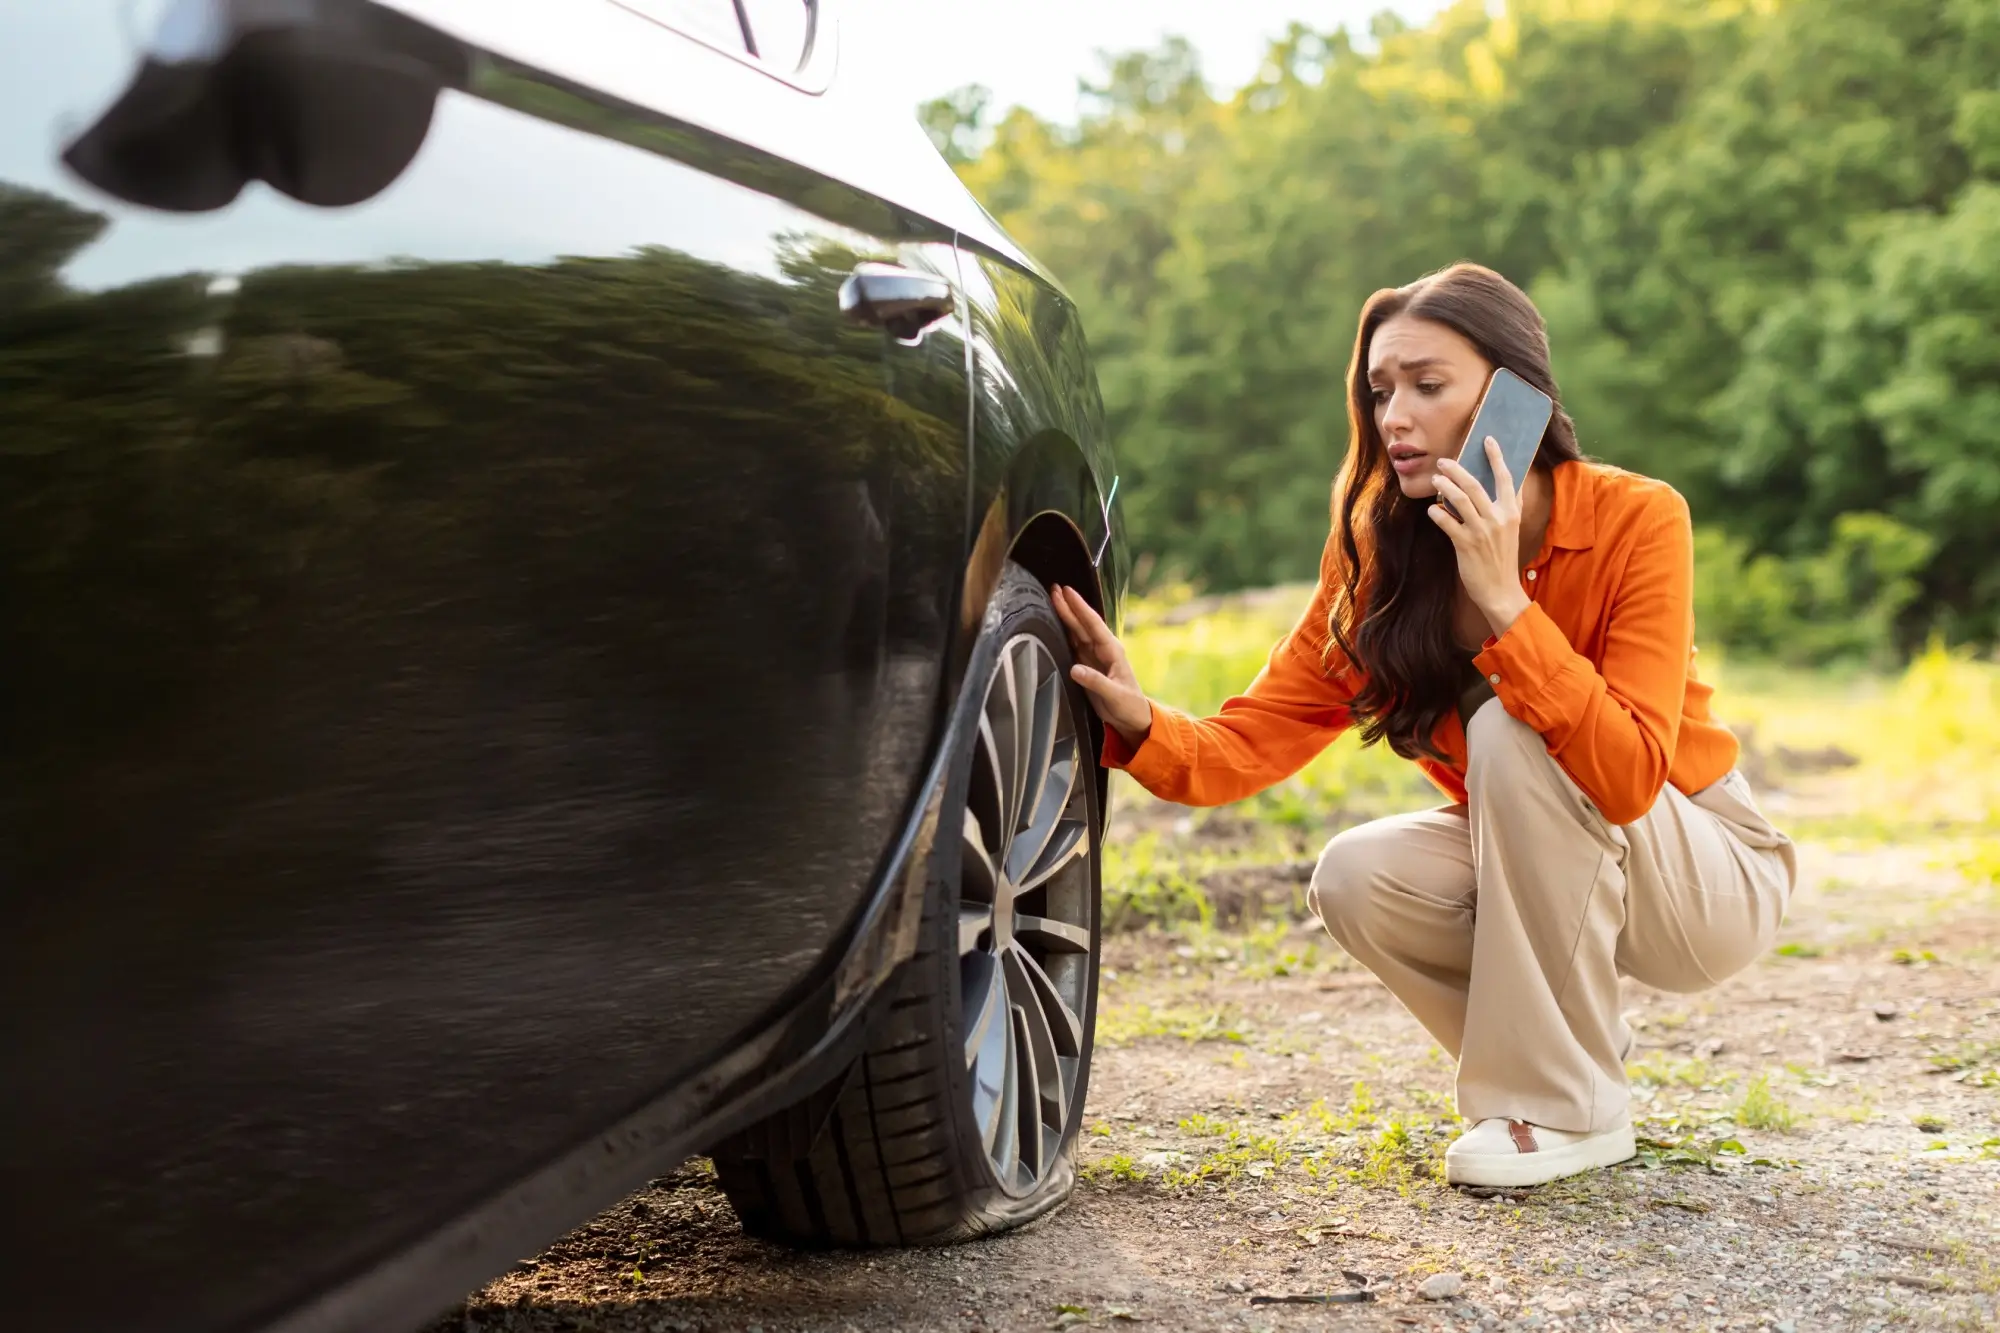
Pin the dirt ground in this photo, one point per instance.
(1821, 1151)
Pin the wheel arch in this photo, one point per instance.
(1042, 518)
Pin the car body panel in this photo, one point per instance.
(860, 136)
(471, 658)
(1039, 442)
(475, 659)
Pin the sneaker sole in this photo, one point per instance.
(1513, 1170)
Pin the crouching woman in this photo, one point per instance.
(1534, 655)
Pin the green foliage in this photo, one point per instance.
(1766, 238)
(1761, 1108)
(1973, 1062)
(1195, 655)
(1842, 602)
(1115, 1169)
(1144, 887)
(1121, 1025)
(1660, 1070)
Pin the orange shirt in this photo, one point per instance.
(1601, 664)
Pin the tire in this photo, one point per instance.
(920, 1141)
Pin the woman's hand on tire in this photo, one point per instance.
(1103, 669)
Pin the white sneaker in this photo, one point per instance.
(1507, 1154)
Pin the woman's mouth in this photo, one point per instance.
(1406, 461)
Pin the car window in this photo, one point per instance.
(781, 29)
(715, 22)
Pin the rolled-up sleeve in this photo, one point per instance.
(1611, 726)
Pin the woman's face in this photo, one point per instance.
(1426, 380)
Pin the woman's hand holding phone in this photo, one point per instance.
(1103, 669)
(1487, 536)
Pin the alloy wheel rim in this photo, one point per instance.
(1024, 921)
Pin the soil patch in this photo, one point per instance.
(1822, 1151)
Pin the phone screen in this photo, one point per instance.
(1515, 413)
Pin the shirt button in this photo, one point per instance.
(1493, 679)
(1531, 576)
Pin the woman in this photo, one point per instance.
(1535, 656)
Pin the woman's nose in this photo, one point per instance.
(1395, 416)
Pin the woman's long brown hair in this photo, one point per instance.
(1391, 615)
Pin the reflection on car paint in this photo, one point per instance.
(467, 655)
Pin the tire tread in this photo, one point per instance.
(872, 1160)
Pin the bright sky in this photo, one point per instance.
(1032, 52)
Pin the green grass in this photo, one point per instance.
(1661, 1070)
(1257, 951)
(1973, 1062)
(1197, 664)
(1115, 1169)
(1144, 885)
(1123, 1024)
(1923, 736)
(1318, 1149)
(1761, 1108)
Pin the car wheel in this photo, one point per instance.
(960, 1118)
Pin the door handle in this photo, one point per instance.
(901, 300)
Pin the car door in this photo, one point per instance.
(468, 648)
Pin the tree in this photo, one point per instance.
(1760, 235)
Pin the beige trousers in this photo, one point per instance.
(1505, 924)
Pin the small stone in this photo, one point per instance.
(1879, 1304)
(1849, 1256)
(1441, 1286)
(1885, 1011)
(1785, 1326)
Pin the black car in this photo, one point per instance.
(524, 536)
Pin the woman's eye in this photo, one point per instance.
(1430, 386)
(1379, 395)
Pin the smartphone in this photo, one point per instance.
(1515, 413)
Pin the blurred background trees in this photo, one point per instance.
(1765, 235)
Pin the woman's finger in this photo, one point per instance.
(1455, 493)
(1078, 642)
(1066, 603)
(1095, 630)
(1058, 597)
(1443, 518)
(1105, 693)
(1467, 495)
(1123, 707)
(1503, 480)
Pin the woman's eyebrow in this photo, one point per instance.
(1414, 363)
